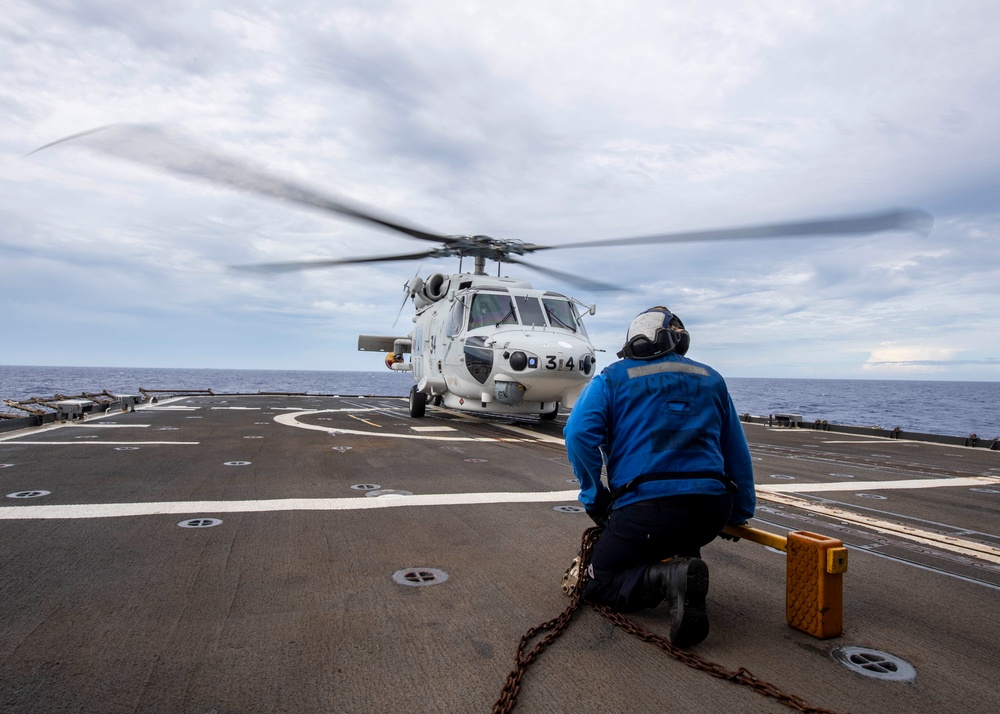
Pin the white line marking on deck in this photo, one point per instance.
(432, 428)
(110, 426)
(292, 420)
(869, 440)
(237, 409)
(937, 540)
(115, 510)
(533, 435)
(101, 443)
(907, 484)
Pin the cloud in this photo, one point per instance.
(550, 124)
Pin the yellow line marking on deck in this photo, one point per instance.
(369, 423)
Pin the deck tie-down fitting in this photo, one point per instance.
(814, 583)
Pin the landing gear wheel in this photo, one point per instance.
(418, 403)
(549, 416)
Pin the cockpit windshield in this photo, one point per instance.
(531, 311)
(491, 309)
(562, 314)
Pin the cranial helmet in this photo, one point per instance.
(654, 333)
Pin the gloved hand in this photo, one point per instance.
(601, 509)
(598, 517)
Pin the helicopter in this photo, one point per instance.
(480, 343)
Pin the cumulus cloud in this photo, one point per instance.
(552, 124)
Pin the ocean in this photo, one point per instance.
(929, 407)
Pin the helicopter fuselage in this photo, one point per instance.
(490, 344)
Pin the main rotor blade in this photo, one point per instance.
(297, 265)
(585, 283)
(151, 146)
(906, 219)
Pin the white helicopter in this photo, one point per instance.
(492, 344)
(479, 343)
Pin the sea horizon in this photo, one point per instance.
(932, 406)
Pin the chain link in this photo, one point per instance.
(555, 627)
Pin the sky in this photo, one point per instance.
(554, 122)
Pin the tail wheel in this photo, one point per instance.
(418, 403)
(549, 416)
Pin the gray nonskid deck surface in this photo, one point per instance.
(289, 605)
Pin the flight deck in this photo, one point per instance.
(265, 553)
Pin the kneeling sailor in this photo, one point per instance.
(678, 471)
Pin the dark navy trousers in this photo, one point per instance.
(642, 533)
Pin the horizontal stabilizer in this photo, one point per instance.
(382, 343)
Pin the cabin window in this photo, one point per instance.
(491, 309)
(562, 314)
(531, 311)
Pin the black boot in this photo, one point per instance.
(683, 584)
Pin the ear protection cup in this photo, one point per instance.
(683, 342)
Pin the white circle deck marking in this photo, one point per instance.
(236, 463)
(291, 419)
(28, 494)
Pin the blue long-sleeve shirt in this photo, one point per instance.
(670, 415)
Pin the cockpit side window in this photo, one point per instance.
(491, 309)
(531, 310)
(456, 319)
(562, 314)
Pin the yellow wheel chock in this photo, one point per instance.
(814, 569)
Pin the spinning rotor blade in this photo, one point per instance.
(314, 264)
(905, 219)
(151, 146)
(584, 283)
